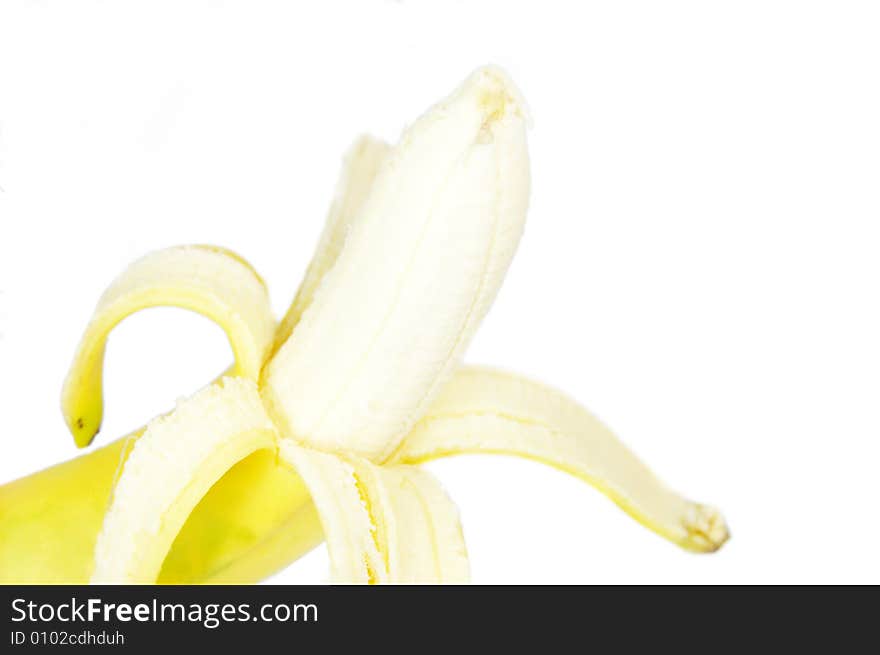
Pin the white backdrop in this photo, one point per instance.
(699, 267)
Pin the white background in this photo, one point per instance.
(699, 267)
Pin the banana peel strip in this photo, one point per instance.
(381, 524)
(170, 469)
(482, 411)
(210, 281)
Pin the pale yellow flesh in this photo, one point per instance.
(359, 169)
(424, 259)
(486, 411)
(210, 281)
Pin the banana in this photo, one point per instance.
(319, 425)
(425, 256)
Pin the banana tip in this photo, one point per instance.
(497, 95)
(83, 433)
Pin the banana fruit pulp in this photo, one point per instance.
(316, 431)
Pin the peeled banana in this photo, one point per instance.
(434, 237)
(315, 430)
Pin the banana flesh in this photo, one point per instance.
(425, 256)
(359, 170)
(318, 431)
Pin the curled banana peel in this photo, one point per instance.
(316, 430)
(211, 281)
